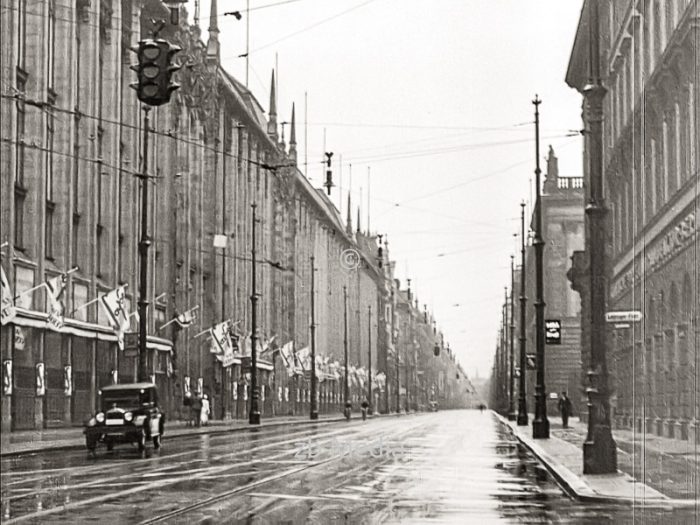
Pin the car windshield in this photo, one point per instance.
(125, 398)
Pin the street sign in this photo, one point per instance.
(623, 317)
(552, 329)
(131, 344)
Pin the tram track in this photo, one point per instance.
(144, 482)
(237, 491)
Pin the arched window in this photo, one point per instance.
(660, 312)
(687, 297)
(674, 304)
(651, 316)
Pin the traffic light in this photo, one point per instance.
(154, 71)
(329, 174)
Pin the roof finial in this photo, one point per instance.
(272, 122)
(293, 138)
(213, 47)
(348, 224)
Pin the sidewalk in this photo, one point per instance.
(13, 443)
(562, 456)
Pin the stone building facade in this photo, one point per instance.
(649, 53)
(71, 156)
(563, 232)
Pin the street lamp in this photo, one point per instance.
(599, 449)
(369, 351)
(254, 416)
(511, 394)
(522, 399)
(540, 425)
(314, 406)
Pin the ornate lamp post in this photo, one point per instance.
(540, 425)
(599, 449)
(314, 405)
(522, 399)
(254, 415)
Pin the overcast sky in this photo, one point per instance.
(435, 97)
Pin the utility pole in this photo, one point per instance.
(398, 377)
(254, 416)
(346, 387)
(504, 350)
(144, 244)
(540, 425)
(599, 449)
(522, 399)
(369, 354)
(314, 405)
(512, 414)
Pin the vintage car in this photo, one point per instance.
(129, 413)
(433, 406)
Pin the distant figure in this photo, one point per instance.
(204, 413)
(564, 409)
(365, 408)
(196, 410)
(482, 407)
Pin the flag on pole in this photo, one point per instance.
(7, 304)
(221, 335)
(55, 288)
(185, 319)
(114, 304)
(286, 353)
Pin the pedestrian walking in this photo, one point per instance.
(564, 409)
(365, 408)
(196, 410)
(187, 402)
(204, 413)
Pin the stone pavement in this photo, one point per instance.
(563, 456)
(13, 443)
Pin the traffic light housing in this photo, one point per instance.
(154, 71)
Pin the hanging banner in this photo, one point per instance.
(54, 296)
(40, 380)
(7, 304)
(20, 340)
(68, 380)
(7, 377)
(114, 304)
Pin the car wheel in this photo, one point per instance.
(142, 440)
(156, 441)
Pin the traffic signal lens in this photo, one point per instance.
(150, 90)
(151, 53)
(150, 72)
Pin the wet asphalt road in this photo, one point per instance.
(444, 467)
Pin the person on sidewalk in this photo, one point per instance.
(204, 413)
(196, 412)
(365, 408)
(564, 409)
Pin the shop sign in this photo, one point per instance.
(7, 377)
(552, 329)
(40, 380)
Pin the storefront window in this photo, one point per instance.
(24, 280)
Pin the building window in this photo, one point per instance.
(20, 125)
(99, 255)
(48, 230)
(20, 196)
(24, 280)
(80, 297)
(75, 238)
(21, 33)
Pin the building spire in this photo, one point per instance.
(272, 122)
(359, 226)
(213, 47)
(293, 137)
(348, 222)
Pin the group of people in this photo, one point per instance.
(199, 409)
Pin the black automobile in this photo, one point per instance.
(129, 413)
